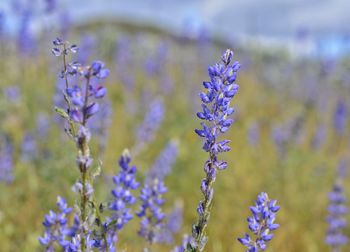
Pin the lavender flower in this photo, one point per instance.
(124, 182)
(29, 148)
(340, 117)
(145, 133)
(216, 112)
(280, 136)
(81, 101)
(151, 214)
(6, 160)
(261, 223)
(80, 97)
(2, 24)
(56, 227)
(26, 40)
(155, 64)
(337, 210)
(162, 166)
(172, 224)
(12, 94)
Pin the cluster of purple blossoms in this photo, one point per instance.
(80, 97)
(336, 218)
(337, 210)
(151, 214)
(261, 223)
(125, 182)
(216, 112)
(170, 224)
(81, 105)
(57, 231)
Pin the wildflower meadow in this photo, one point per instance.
(119, 136)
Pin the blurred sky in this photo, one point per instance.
(239, 17)
(326, 21)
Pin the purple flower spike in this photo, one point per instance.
(337, 211)
(261, 223)
(57, 230)
(215, 114)
(151, 214)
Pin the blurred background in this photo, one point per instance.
(291, 132)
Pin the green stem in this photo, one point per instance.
(200, 226)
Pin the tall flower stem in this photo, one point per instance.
(84, 152)
(204, 218)
(215, 114)
(80, 107)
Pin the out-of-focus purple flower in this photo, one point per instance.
(2, 24)
(280, 137)
(253, 134)
(145, 133)
(342, 168)
(155, 64)
(163, 165)
(216, 112)
(26, 42)
(50, 5)
(6, 159)
(65, 22)
(337, 210)
(290, 132)
(123, 61)
(319, 136)
(172, 225)
(42, 125)
(29, 148)
(261, 223)
(87, 46)
(171, 222)
(12, 94)
(151, 214)
(340, 117)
